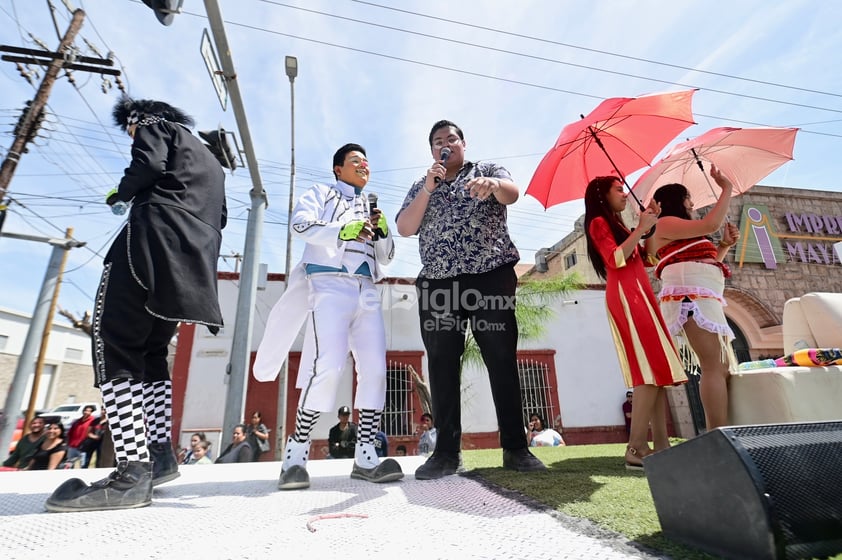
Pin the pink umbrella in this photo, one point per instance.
(745, 155)
(619, 137)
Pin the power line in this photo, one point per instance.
(598, 51)
(552, 60)
(525, 83)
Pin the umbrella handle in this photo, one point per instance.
(705, 175)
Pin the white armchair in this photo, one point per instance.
(798, 393)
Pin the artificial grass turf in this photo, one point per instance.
(590, 482)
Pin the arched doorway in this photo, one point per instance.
(740, 344)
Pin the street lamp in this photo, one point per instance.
(291, 67)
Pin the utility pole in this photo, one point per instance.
(45, 334)
(62, 59)
(238, 368)
(40, 323)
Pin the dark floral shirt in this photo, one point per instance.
(460, 234)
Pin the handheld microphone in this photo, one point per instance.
(445, 153)
(372, 205)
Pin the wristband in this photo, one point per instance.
(426, 190)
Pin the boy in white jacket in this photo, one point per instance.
(347, 243)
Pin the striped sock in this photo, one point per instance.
(157, 405)
(123, 400)
(304, 422)
(369, 423)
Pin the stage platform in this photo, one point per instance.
(236, 512)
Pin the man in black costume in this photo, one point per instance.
(160, 270)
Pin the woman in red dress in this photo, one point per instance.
(648, 359)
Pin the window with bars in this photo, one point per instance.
(570, 261)
(537, 388)
(402, 403)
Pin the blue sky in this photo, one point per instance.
(511, 74)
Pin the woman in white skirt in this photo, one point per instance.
(692, 286)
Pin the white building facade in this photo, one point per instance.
(67, 374)
(570, 375)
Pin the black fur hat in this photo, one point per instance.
(142, 108)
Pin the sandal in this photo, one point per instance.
(634, 466)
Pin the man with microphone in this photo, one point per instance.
(458, 211)
(348, 242)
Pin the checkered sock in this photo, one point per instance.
(123, 400)
(157, 405)
(304, 422)
(369, 422)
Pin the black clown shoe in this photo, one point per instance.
(164, 463)
(130, 486)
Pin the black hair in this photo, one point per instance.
(339, 156)
(60, 428)
(596, 206)
(427, 415)
(125, 105)
(540, 419)
(671, 198)
(444, 124)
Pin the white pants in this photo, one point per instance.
(345, 315)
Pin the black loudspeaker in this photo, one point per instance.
(744, 492)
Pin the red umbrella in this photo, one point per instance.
(619, 137)
(745, 155)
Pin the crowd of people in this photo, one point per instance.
(48, 446)
(248, 443)
(161, 270)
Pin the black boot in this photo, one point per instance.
(130, 486)
(164, 463)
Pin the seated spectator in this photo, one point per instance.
(27, 446)
(400, 451)
(239, 450)
(200, 454)
(427, 441)
(342, 437)
(381, 444)
(51, 452)
(539, 436)
(194, 441)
